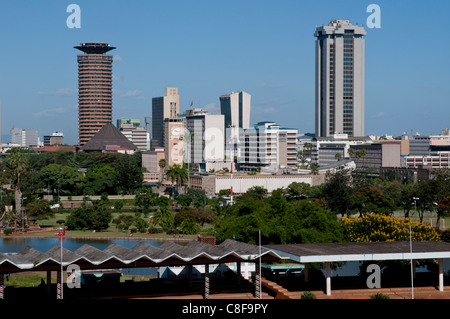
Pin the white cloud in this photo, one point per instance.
(117, 58)
(131, 93)
(380, 114)
(54, 112)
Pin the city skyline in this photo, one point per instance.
(209, 49)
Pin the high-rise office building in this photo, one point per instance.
(163, 107)
(94, 89)
(339, 79)
(236, 109)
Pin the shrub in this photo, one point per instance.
(308, 295)
(7, 232)
(379, 296)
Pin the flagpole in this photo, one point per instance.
(260, 278)
(62, 274)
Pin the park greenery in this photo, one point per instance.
(348, 206)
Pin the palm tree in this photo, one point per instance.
(178, 174)
(162, 166)
(18, 164)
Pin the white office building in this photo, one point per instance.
(267, 147)
(24, 137)
(339, 79)
(205, 138)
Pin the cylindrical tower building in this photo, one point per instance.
(94, 89)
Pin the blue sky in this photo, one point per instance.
(206, 48)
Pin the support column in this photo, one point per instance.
(257, 281)
(238, 272)
(441, 274)
(328, 280)
(190, 276)
(306, 272)
(59, 285)
(49, 281)
(2, 286)
(206, 281)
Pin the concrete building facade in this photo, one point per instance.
(55, 139)
(213, 184)
(164, 107)
(236, 109)
(94, 89)
(267, 147)
(339, 79)
(206, 137)
(174, 140)
(24, 137)
(135, 133)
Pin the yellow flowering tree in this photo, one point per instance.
(376, 227)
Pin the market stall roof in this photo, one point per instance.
(141, 255)
(334, 252)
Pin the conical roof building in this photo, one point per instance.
(107, 138)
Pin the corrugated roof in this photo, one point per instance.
(142, 254)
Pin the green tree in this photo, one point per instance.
(337, 191)
(99, 179)
(124, 221)
(145, 198)
(38, 210)
(17, 164)
(188, 226)
(128, 174)
(61, 178)
(94, 217)
(370, 200)
(141, 225)
(178, 174)
(278, 220)
(443, 210)
(297, 190)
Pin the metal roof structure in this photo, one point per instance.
(334, 252)
(94, 47)
(141, 255)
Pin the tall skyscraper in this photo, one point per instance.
(236, 109)
(163, 107)
(94, 89)
(339, 79)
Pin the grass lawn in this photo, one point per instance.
(51, 225)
